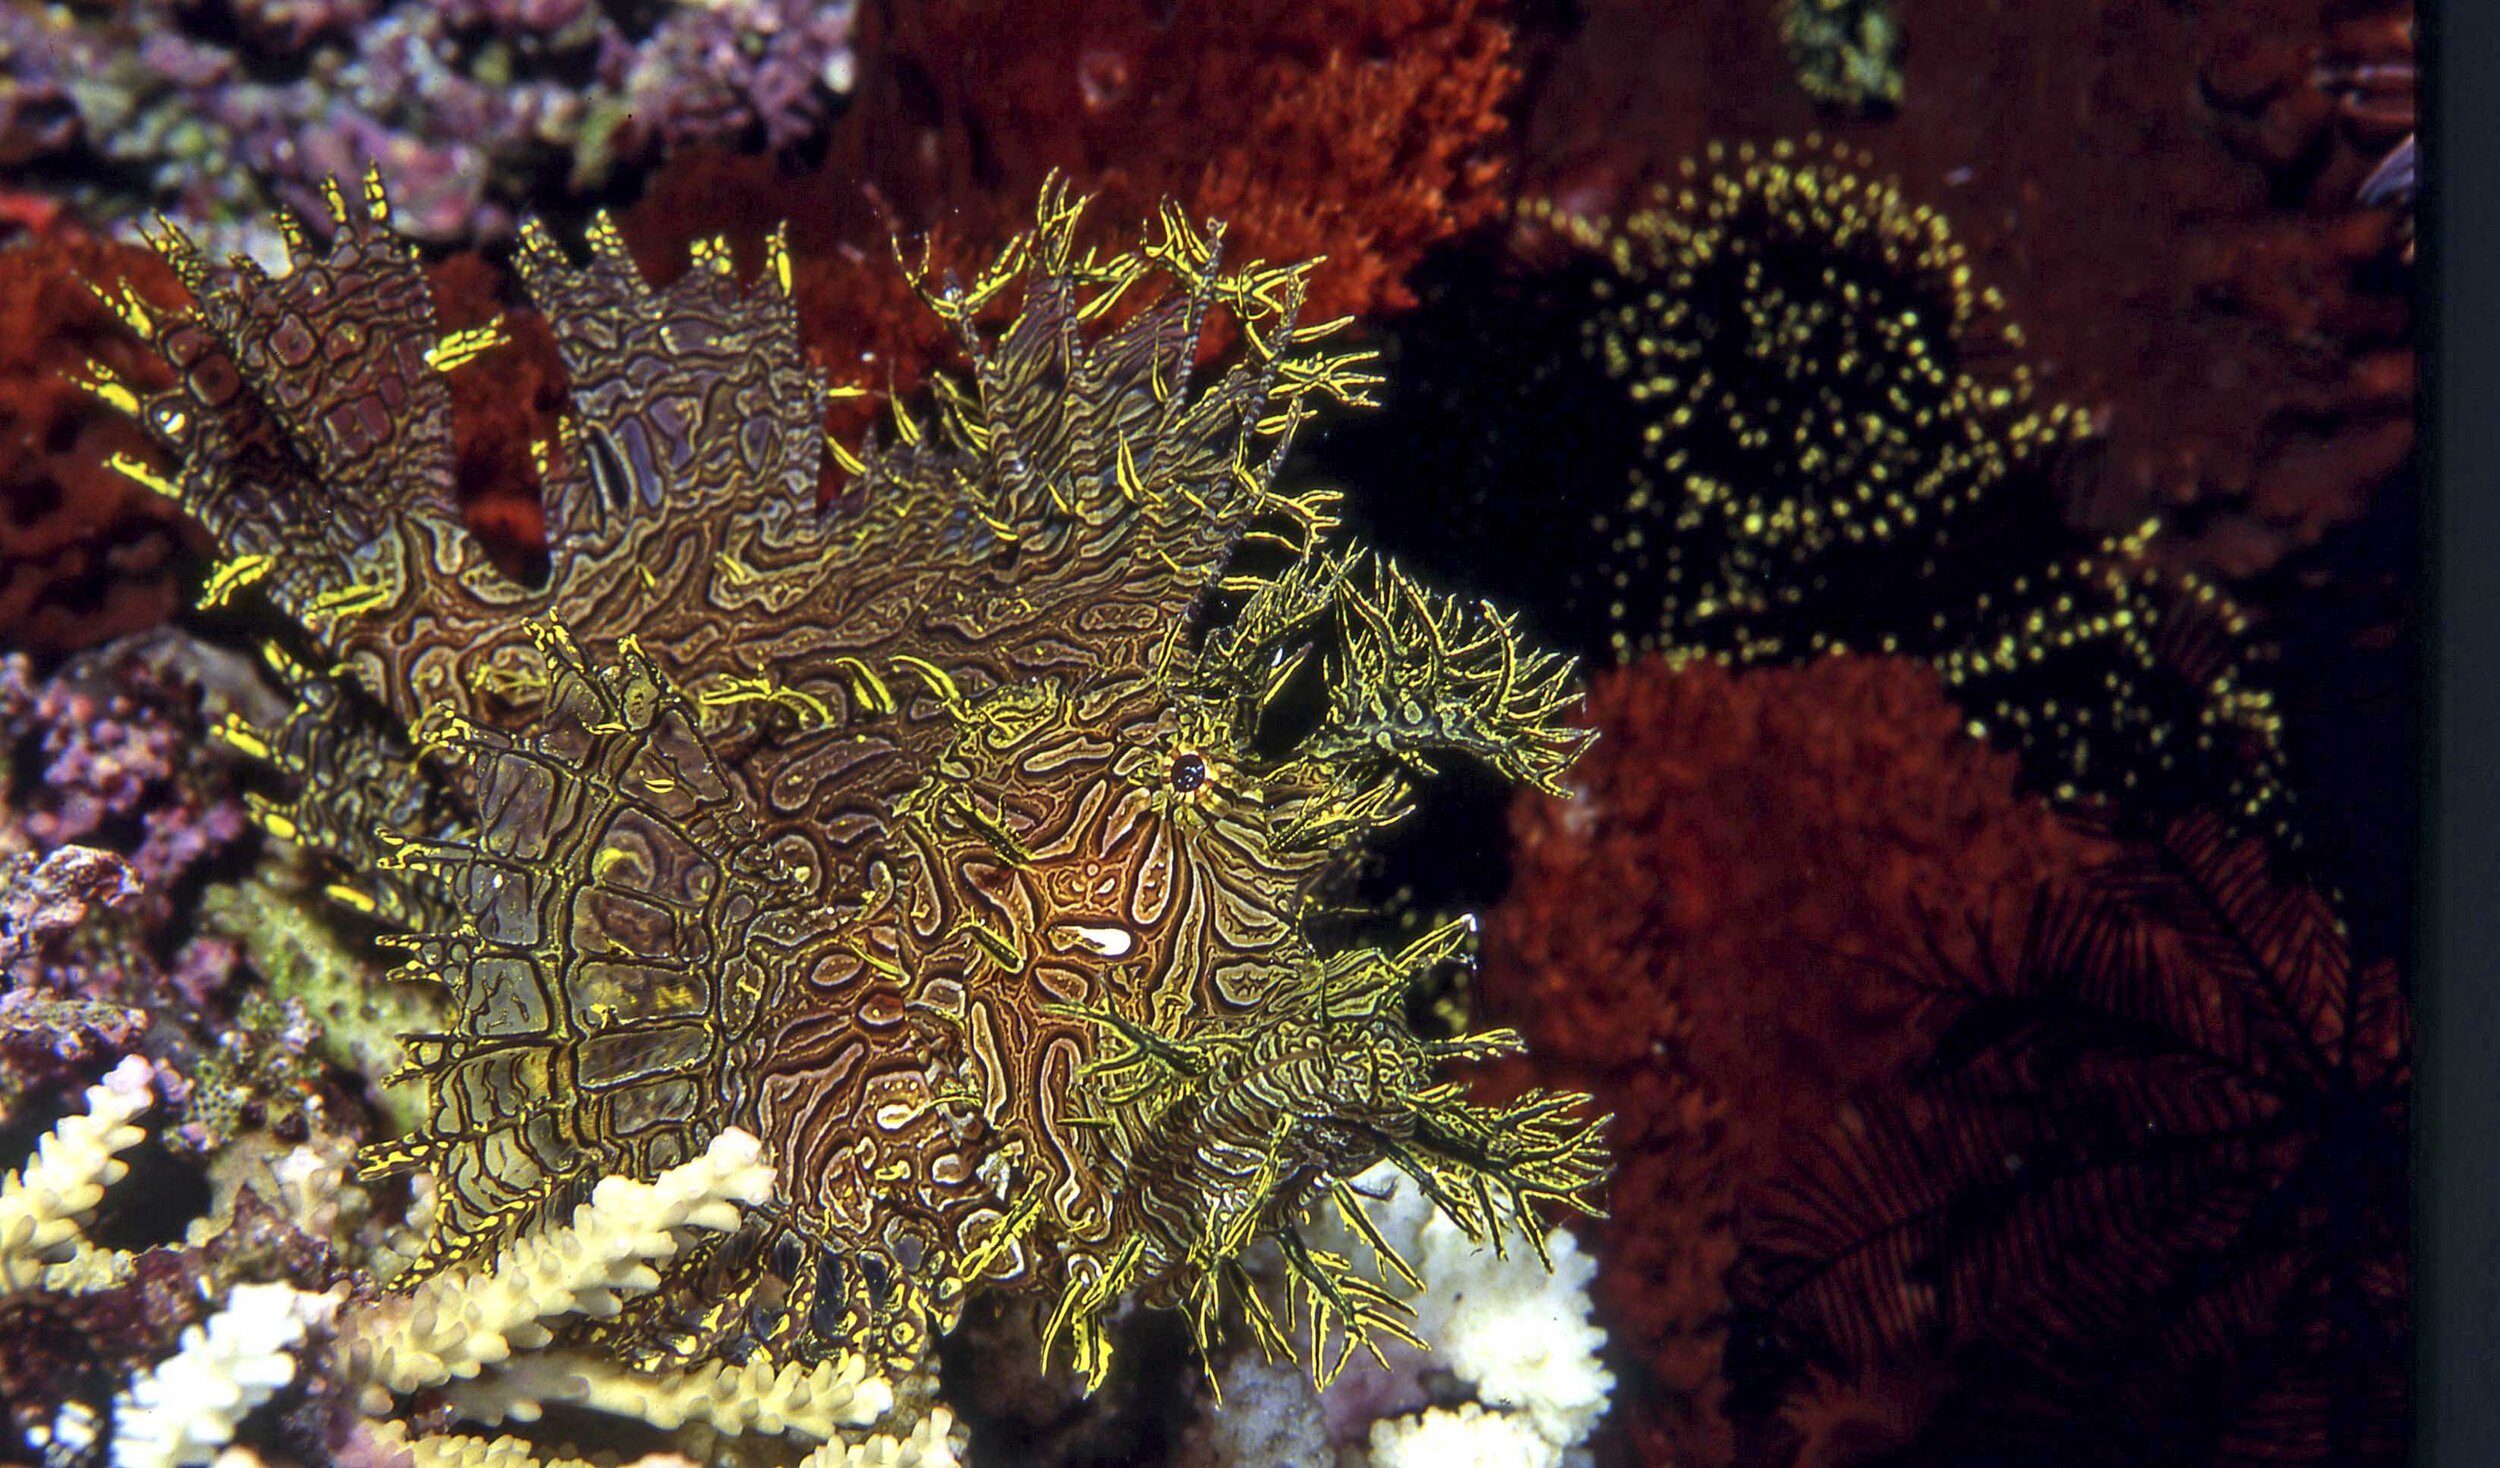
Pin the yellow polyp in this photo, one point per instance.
(886, 968)
(939, 683)
(115, 394)
(1010, 1229)
(1001, 952)
(233, 576)
(283, 663)
(866, 686)
(137, 472)
(730, 692)
(236, 734)
(1093, 1345)
(1063, 1319)
(1341, 375)
(904, 426)
(777, 257)
(462, 347)
(1273, 289)
(1244, 476)
(278, 824)
(445, 727)
(961, 428)
(849, 461)
(341, 892)
(291, 230)
(1003, 840)
(1120, 279)
(125, 304)
(354, 599)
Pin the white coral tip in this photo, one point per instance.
(181, 1413)
(44, 1205)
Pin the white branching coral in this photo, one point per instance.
(45, 1205)
(930, 1444)
(1442, 1438)
(759, 1397)
(450, 1329)
(390, 1443)
(1518, 1333)
(454, 1325)
(181, 1413)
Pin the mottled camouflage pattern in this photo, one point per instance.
(963, 845)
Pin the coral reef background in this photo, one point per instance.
(1782, 927)
(2166, 195)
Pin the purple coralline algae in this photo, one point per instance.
(45, 1037)
(140, 910)
(112, 814)
(108, 757)
(470, 107)
(46, 895)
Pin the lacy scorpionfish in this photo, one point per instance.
(967, 845)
